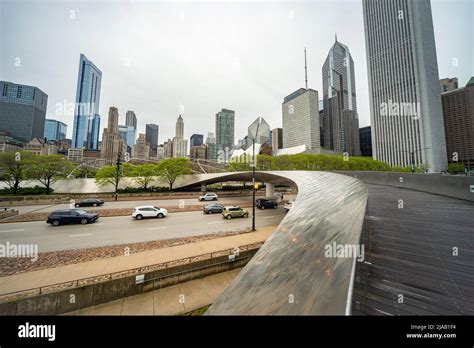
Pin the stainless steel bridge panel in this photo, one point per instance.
(290, 274)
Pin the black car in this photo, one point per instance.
(213, 208)
(262, 203)
(90, 202)
(71, 216)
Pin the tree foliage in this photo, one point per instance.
(110, 175)
(171, 168)
(14, 168)
(47, 169)
(143, 174)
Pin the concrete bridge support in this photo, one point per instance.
(270, 190)
(203, 187)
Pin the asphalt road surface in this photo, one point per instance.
(125, 229)
(130, 204)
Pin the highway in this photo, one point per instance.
(124, 229)
(130, 204)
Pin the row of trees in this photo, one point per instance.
(143, 174)
(16, 167)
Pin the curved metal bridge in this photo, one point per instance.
(291, 273)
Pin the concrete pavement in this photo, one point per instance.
(123, 229)
(50, 276)
(176, 299)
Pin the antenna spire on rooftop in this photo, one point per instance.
(305, 70)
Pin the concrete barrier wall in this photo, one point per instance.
(94, 294)
(446, 185)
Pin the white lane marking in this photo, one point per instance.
(80, 235)
(19, 230)
(156, 228)
(216, 222)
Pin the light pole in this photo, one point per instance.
(412, 156)
(117, 173)
(253, 183)
(253, 176)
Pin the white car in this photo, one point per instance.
(149, 211)
(288, 205)
(211, 196)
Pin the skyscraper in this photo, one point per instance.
(131, 119)
(54, 130)
(340, 119)
(196, 140)
(180, 145)
(404, 90)
(180, 128)
(112, 142)
(151, 133)
(85, 133)
(225, 128)
(301, 119)
(22, 111)
(277, 138)
(458, 113)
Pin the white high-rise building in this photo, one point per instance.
(300, 112)
(180, 145)
(405, 102)
(180, 128)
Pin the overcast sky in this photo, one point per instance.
(156, 56)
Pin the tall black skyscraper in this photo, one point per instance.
(151, 135)
(196, 140)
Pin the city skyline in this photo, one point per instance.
(268, 78)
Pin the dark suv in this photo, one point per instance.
(71, 216)
(262, 203)
(213, 208)
(90, 202)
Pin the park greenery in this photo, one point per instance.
(16, 167)
(317, 162)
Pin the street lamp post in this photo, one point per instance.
(412, 156)
(253, 182)
(117, 173)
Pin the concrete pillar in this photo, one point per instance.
(203, 187)
(270, 190)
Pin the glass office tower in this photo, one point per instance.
(86, 125)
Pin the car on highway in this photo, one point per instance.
(71, 216)
(210, 196)
(233, 212)
(149, 211)
(90, 202)
(263, 203)
(288, 205)
(213, 208)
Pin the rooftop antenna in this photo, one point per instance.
(305, 70)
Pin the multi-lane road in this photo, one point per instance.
(130, 204)
(124, 229)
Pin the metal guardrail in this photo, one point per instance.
(72, 284)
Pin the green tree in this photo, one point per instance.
(110, 175)
(171, 168)
(143, 174)
(14, 168)
(455, 168)
(49, 168)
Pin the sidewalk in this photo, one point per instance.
(176, 299)
(50, 276)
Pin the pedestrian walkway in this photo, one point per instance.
(176, 299)
(51, 276)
